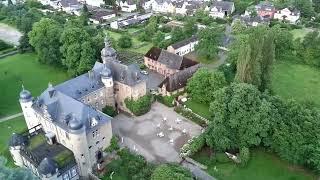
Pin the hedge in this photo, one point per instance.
(166, 100)
(193, 146)
(189, 115)
(140, 106)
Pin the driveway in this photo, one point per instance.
(9, 34)
(140, 133)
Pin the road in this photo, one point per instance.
(9, 34)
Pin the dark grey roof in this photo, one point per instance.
(223, 5)
(179, 79)
(61, 108)
(25, 95)
(99, 13)
(265, 6)
(106, 72)
(248, 20)
(169, 59)
(47, 167)
(129, 75)
(17, 140)
(67, 3)
(184, 42)
(75, 124)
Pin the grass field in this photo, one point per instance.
(137, 46)
(300, 33)
(7, 128)
(300, 82)
(24, 69)
(262, 166)
(201, 109)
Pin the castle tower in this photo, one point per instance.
(107, 80)
(108, 54)
(16, 143)
(48, 169)
(26, 102)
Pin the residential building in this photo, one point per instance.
(265, 9)
(292, 16)
(67, 132)
(95, 3)
(69, 6)
(252, 21)
(176, 83)
(165, 62)
(163, 6)
(183, 47)
(221, 9)
(128, 5)
(146, 5)
(100, 15)
(122, 23)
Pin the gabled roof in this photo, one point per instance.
(99, 13)
(179, 79)
(171, 60)
(184, 42)
(67, 3)
(265, 6)
(223, 5)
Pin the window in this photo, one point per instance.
(93, 134)
(66, 176)
(97, 142)
(103, 138)
(73, 172)
(90, 147)
(67, 135)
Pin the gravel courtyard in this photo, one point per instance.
(142, 133)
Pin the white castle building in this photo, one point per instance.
(67, 132)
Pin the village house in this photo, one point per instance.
(292, 16)
(252, 20)
(176, 83)
(122, 23)
(95, 3)
(187, 7)
(146, 5)
(68, 6)
(265, 9)
(127, 6)
(100, 15)
(220, 9)
(165, 62)
(163, 6)
(183, 47)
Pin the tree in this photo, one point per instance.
(10, 3)
(44, 37)
(177, 35)
(14, 173)
(204, 83)
(25, 23)
(305, 6)
(268, 57)
(24, 44)
(244, 156)
(238, 27)
(209, 40)
(125, 41)
(84, 17)
(158, 38)
(190, 27)
(284, 45)
(171, 172)
(77, 49)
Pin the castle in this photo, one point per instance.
(67, 132)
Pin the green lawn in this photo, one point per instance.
(300, 82)
(24, 69)
(7, 128)
(262, 166)
(300, 33)
(138, 46)
(198, 108)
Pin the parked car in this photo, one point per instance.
(144, 72)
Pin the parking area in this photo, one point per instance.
(157, 135)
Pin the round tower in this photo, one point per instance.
(78, 139)
(107, 80)
(16, 143)
(26, 102)
(48, 169)
(108, 54)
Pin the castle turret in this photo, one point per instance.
(48, 169)
(26, 102)
(16, 143)
(107, 80)
(108, 54)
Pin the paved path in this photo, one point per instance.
(10, 117)
(197, 172)
(9, 34)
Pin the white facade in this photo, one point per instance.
(127, 7)
(165, 7)
(96, 3)
(286, 14)
(147, 5)
(183, 50)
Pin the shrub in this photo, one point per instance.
(4, 45)
(140, 106)
(109, 110)
(142, 66)
(166, 100)
(171, 171)
(125, 41)
(189, 115)
(114, 146)
(193, 146)
(244, 156)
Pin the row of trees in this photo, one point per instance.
(71, 44)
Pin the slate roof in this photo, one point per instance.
(265, 6)
(171, 60)
(179, 79)
(184, 42)
(99, 13)
(62, 108)
(67, 3)
(223, 5)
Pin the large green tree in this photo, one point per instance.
(171, 172)
(190, 27)
(204, 83)
(209, 40)
(77, 50)
(44, 37)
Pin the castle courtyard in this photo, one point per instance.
(157, 135)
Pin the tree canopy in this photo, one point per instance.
(171, 172)
(209, 40)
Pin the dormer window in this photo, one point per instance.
(94, 122)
